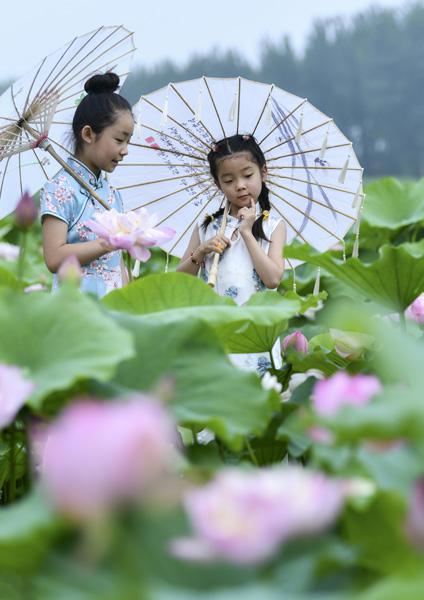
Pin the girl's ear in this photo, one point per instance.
(264, 173)
(87, 135)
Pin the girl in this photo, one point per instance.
(252, 247)
(102, 127)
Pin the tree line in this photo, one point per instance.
(366, 72)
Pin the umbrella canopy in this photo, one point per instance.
(314, 178)
(36, 111)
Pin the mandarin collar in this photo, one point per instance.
(85, 172)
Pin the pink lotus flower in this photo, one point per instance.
(70, 270)
(100, 454)
(243, 517)
(415, 519)
(134, 231)
(14, 390)
(296, 340)
(343, 389)
(415, 311)
(26, 211)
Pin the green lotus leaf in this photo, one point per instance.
(175, 297)
(59, 339)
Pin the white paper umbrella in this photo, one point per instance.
(315, 179)
(36, 111)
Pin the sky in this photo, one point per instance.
(165, 29)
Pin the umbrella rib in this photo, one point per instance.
(79, 51)
(214, 106)
(187, 165)
(309, 217)
(238, 103)
(193, 112)
(160, 149)
(286, 220)
(36, 156)
(283, 120)
(170, 137)
(141, 184)
(181, 206)
(263, 108)
(305, 151)
(177, 123)
(302, 134)
(323, 185)
(187, 187)
(4, 175)
(54, 68)
(107, 63)
(193, 221)
(310, 167)
(32, 85)
(313, 199)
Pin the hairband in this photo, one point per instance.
(265, 215)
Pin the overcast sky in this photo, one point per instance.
(164, 29)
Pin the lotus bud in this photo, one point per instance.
(70, 270)
(26, 211)
(296, 340)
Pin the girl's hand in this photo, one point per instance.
(247, 216)
(216, 244)
(105, 247)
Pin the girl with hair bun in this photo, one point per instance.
(102, 127)
(251, 249)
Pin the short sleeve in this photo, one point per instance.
(57, 199)
(271, 225)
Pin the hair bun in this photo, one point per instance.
(102, 83)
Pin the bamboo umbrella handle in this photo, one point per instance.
(213, 274)
(46, 145)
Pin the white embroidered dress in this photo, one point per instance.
(238, 279)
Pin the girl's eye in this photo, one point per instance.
(120, 141)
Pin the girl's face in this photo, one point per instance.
(103, 151)
(240, 178)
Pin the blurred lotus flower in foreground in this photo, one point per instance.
(343, 389)
(26, 212)
(297, 379)
(270, 382)
(100, 454)
(415, 311)
(134, 231)
(415, 518)
(351, 344)
(14, 390)
(35, 287)
(296, 340)
(70, 270)
(243, 517)
(9, 251)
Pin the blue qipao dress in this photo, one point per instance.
(64, 198)
(238, 279)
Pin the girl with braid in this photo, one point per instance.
(251, 249)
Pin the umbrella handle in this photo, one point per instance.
(46, 145)
(213, 274)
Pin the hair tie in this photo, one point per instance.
(265, 215)
(246, 137)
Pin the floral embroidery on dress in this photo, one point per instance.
(259, 284)
(263, 365)
(232, 292)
